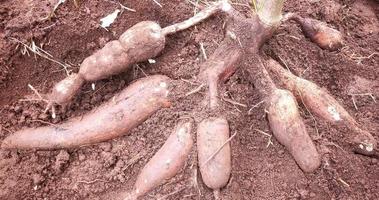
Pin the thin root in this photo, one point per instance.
(93, 181)
(203, 51)
(269, 142)
(234, 102)
(255, 106)
(196, 90)
(361, 94)
(199, 17)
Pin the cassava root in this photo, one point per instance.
(166, 163)
(142, 41)
(323, 105)
(212, 133)
(241, 45)
(128, 109)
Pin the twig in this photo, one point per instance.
(199, 17)
(195, 183)
(256, 105)
(355, 105)
(266, 134)
(44, 122)
(156, 2)
(42, 53)
(195, 90)
(143, 72)
(93, 181)
(335, 145)
(234, 102)
(219, 149)
(203, 51)
(127, 8)
(35, 91)
(188, 81)
(361, 94)
(134, 159)
(343, 182)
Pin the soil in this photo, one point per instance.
(259, 170)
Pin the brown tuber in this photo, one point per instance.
(117, 117)
(212, 134)
(319, 32)
(142, 41)
(322, 104)
(290, 131)
(166, 163)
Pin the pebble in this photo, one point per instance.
(37, 179)
(106, 146)
(82, 157)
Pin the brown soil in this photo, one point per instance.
(106, 170)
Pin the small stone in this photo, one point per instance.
(43, 116)
(63, 156)
(303, 193)
(109, 158)
(60, 160)
(37, 179)
(82, 157)
(106, 146)
(17, 109)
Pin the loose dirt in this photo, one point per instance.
(260, 169)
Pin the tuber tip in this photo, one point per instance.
(320, 33)
(364, 143)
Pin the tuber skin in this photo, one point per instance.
(289, 129)
(166, 163)
(319, 32)
(117, 117)
(212, 133)
(142, 41)
(322, 104)
(284, 118)
(226, 59)
(64, 90)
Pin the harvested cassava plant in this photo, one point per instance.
(241, 45)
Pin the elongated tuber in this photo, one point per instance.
(322, 104)
(122, 113)
(319, 32)
(212, 134)
(289, 130)
(166, 163)
(142, 41)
